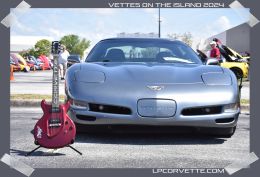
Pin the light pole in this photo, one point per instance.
(159, 23)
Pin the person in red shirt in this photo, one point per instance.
(214, 53)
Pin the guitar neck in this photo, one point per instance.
(55, 84)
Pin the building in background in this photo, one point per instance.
(142, 35)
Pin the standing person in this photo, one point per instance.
(218, 42)
(63, 57)
(214, 53)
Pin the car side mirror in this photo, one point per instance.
(212, 61)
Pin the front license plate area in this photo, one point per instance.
(156, 108)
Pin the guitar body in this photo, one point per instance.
(54, 129)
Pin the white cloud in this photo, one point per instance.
(224, 23)
(215, 27)
(16, 24)
(55, 32)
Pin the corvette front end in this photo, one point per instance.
(158, 94)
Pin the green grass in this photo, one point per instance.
(244, 101)
(33, 97)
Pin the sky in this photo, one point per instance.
(97, 24)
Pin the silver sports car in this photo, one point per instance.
(151, 82)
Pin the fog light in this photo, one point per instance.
(231, 107)
(101, 107)
(79, 104)
(207, 110)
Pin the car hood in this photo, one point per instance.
(145, 72)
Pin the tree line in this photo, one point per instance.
(73, 43)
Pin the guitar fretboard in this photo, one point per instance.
(55, 84)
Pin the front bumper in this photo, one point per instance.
(185, 96)
(135, 119)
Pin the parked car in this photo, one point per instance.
(19, 61)
(24, 62)
(38, 64)
(152, 82)
(72, 59)
(45, 61)
(16, 66)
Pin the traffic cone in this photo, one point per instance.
(11, 73)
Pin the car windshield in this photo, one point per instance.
(162, 51)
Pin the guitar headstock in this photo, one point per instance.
(55, 47)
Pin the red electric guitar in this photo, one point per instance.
(55, 129)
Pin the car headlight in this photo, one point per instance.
(216, 79)
(90, 76)
(231, 107)
(76, 104)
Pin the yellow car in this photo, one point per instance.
(240, 69)
(234, 55)
(231, 60)
(22, 64)
(237, 63)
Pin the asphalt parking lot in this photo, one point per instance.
(35, 82)
(129, 150)
(120, 150)
(40, 82)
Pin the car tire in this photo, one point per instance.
(238, 72)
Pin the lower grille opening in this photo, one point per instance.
(202, 111)
(86, 118)
(227, 120)
(109, 109)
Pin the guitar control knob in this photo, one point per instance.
(70, 128)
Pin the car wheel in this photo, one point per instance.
(238, 72)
